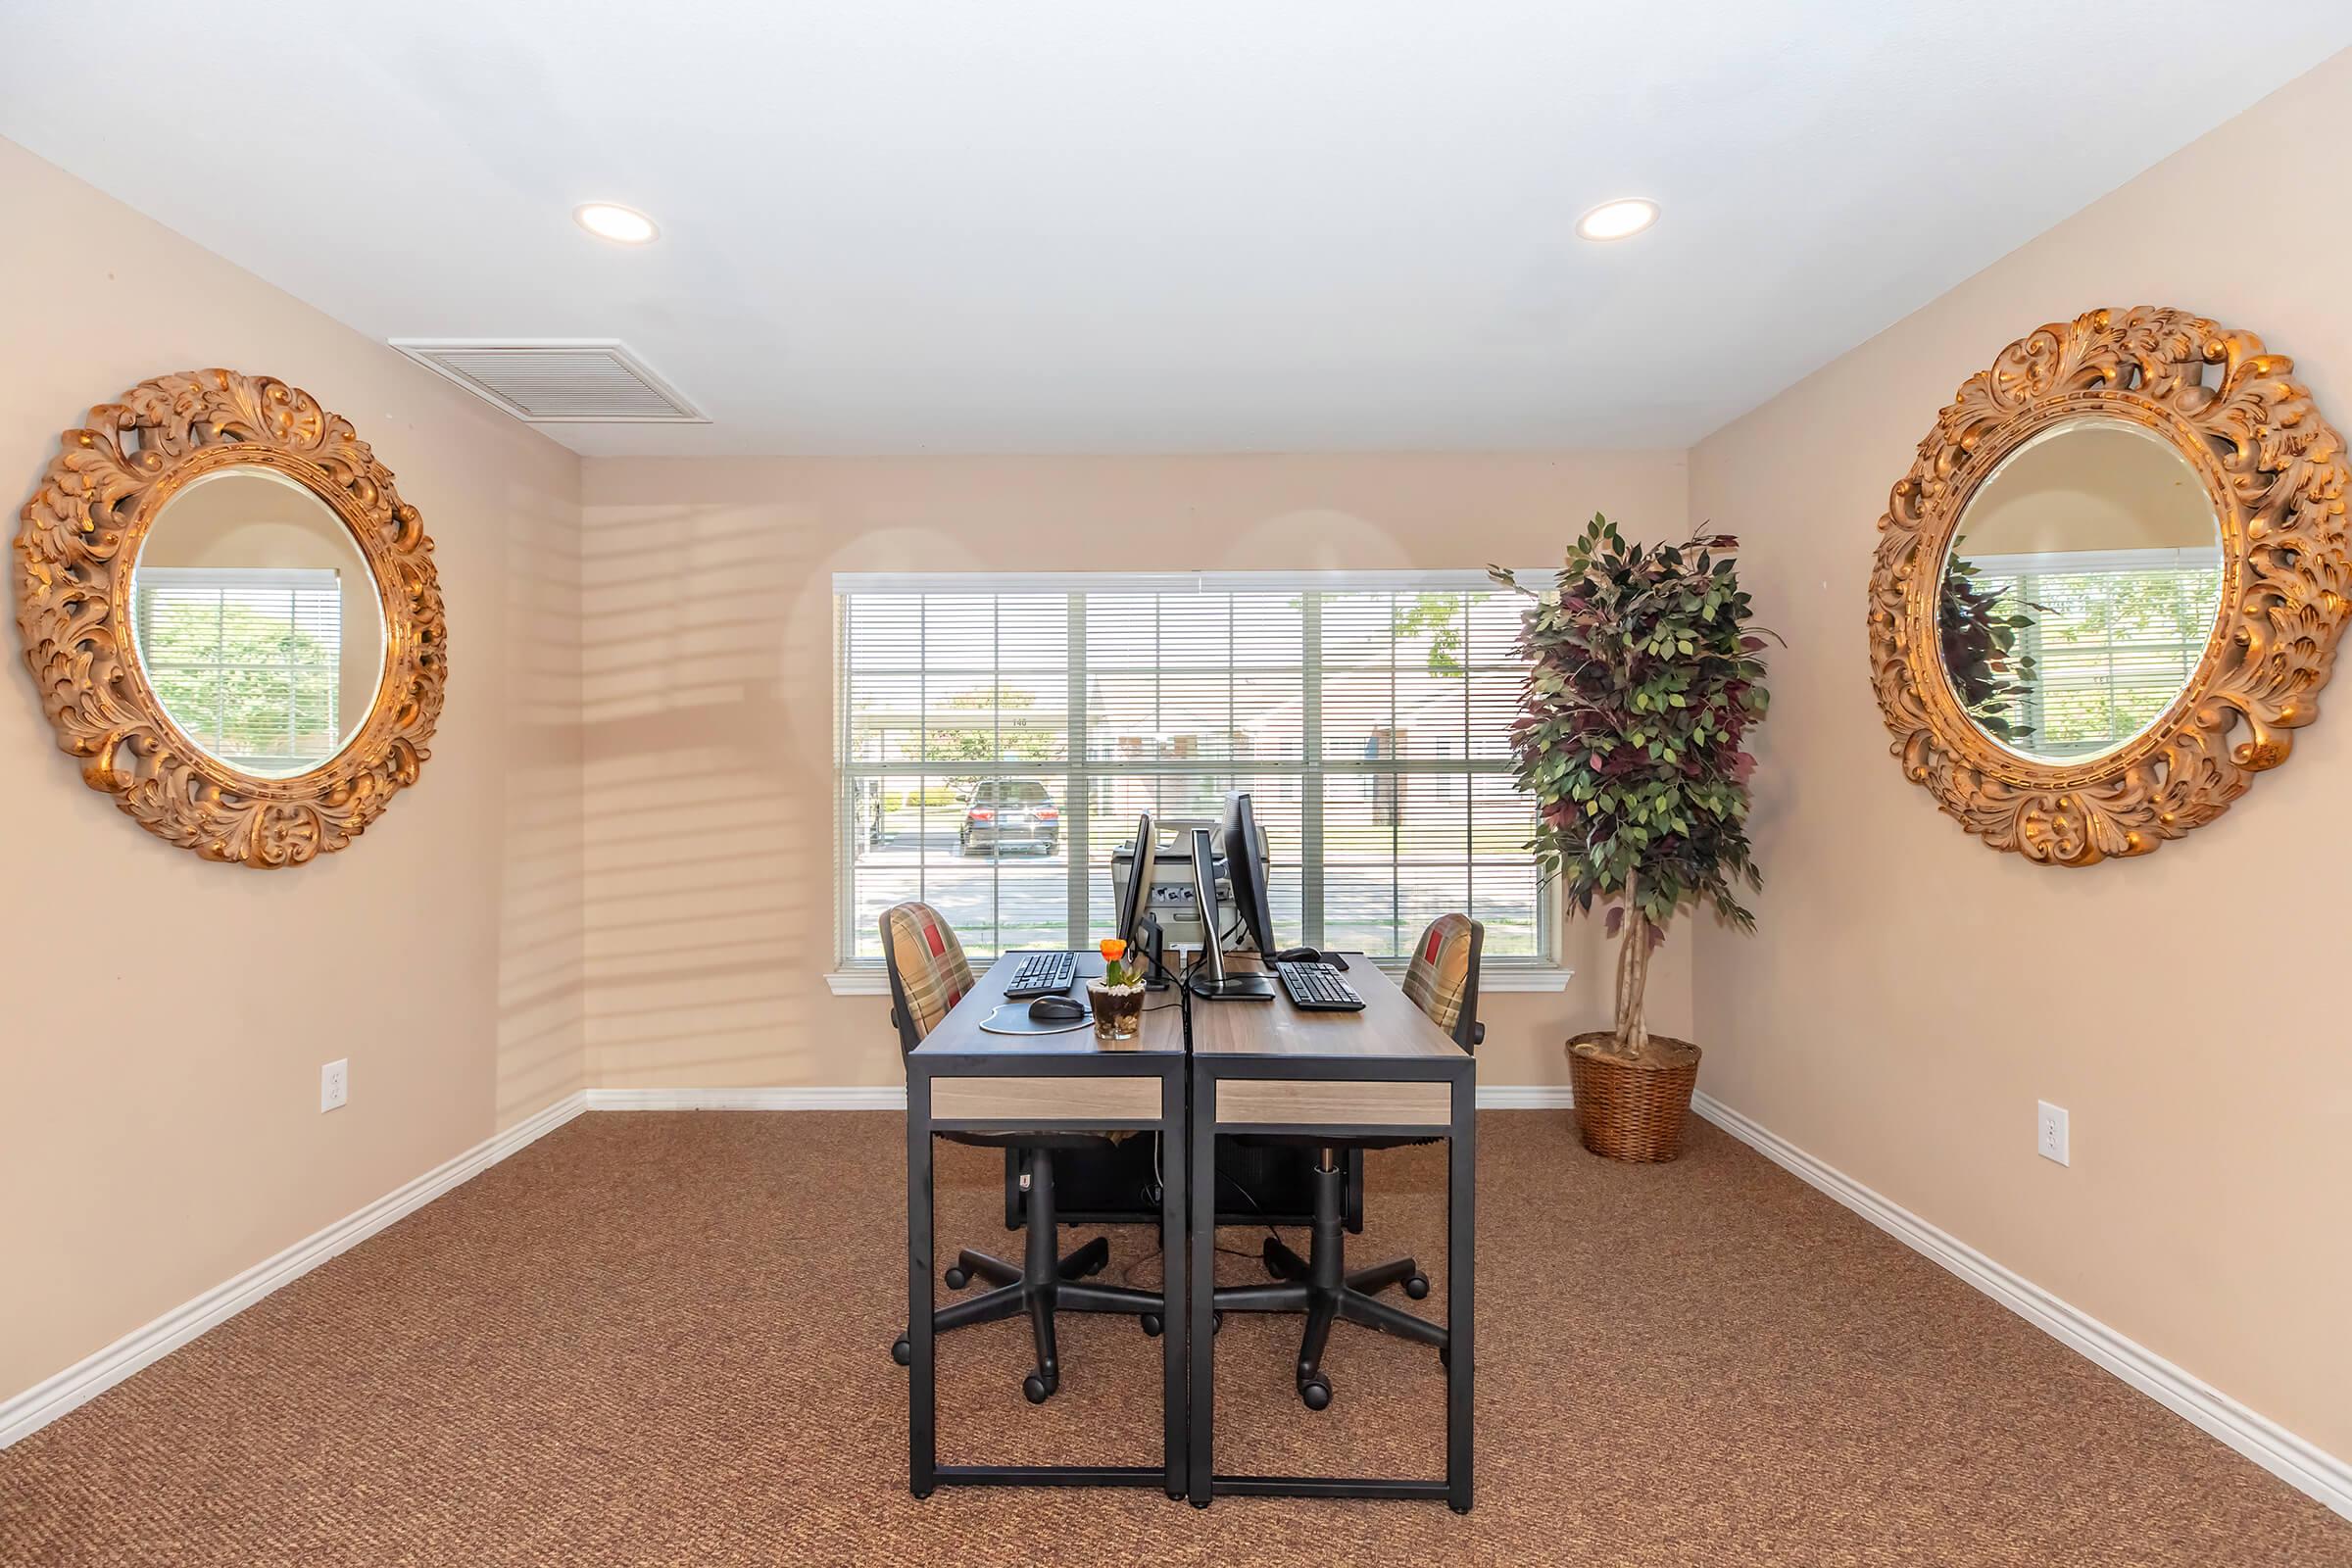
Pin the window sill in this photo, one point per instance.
(1499, 978)
(874, 983)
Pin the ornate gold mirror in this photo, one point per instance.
(232, 617)
(2111, 586)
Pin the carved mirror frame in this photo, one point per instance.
(81, 534)
(2274, 471)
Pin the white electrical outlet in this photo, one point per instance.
(334, 1083)
(2050, 1132)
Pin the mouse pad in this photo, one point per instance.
(1013, 1018)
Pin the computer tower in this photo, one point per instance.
(1257, 1185)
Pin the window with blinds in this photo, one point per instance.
(248, 661)
(2115, 636)
(999, 737)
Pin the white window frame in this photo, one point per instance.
(864, 976)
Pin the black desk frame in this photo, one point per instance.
(1189, 1130)
(1460, 1235)
(923, 1470)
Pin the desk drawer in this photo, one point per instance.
(988, 1097)
(1332, 1103)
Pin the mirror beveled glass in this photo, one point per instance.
(2080, 592)
(257, 622)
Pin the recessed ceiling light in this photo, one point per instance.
(1620, 219)
(622, 226)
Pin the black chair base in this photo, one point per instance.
(1320, 1286)
(1043, 1286)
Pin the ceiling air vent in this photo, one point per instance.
(556, 381)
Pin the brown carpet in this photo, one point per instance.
(662, 1338)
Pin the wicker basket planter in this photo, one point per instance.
(1626, 1112)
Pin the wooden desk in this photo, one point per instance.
(963, 1079)
(1269, 1067)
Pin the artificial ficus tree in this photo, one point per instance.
(1644, 679)
(1979, 633)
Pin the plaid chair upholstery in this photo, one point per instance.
(1440, 974)
(929, 961)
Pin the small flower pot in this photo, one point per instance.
(1118, 1009)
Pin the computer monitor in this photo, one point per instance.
(1245, 869)
(1137, 921)
(1135, 897)
(1217, 985)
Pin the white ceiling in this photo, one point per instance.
(1064, 225)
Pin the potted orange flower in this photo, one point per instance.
(1118, 996)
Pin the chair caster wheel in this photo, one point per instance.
(1216, 1322)
(1446, 1358)
(1152, 1325)
(1315, 1393)
(1417, 1285)
(1460, 1507)
(957, 1279)
(921, 1495)
(1037, 1390)
(900, 1351)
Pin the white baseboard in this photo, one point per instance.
(875, 1097)
(2300, 1464)
(43, 1403)
(893, 1096)
(1525, 1096)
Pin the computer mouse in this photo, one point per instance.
(1057, 1009)
(1310, 956)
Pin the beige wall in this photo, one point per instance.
(709, 700)
(1910, 994)
(2092, 486)
(165, 1018)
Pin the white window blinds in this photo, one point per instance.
(2115, 636)
(247, 662)
(999, 736)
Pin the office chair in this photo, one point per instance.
(929, 975)
(1443, 982)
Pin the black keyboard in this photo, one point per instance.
(1043, 974)
(1318, 988)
